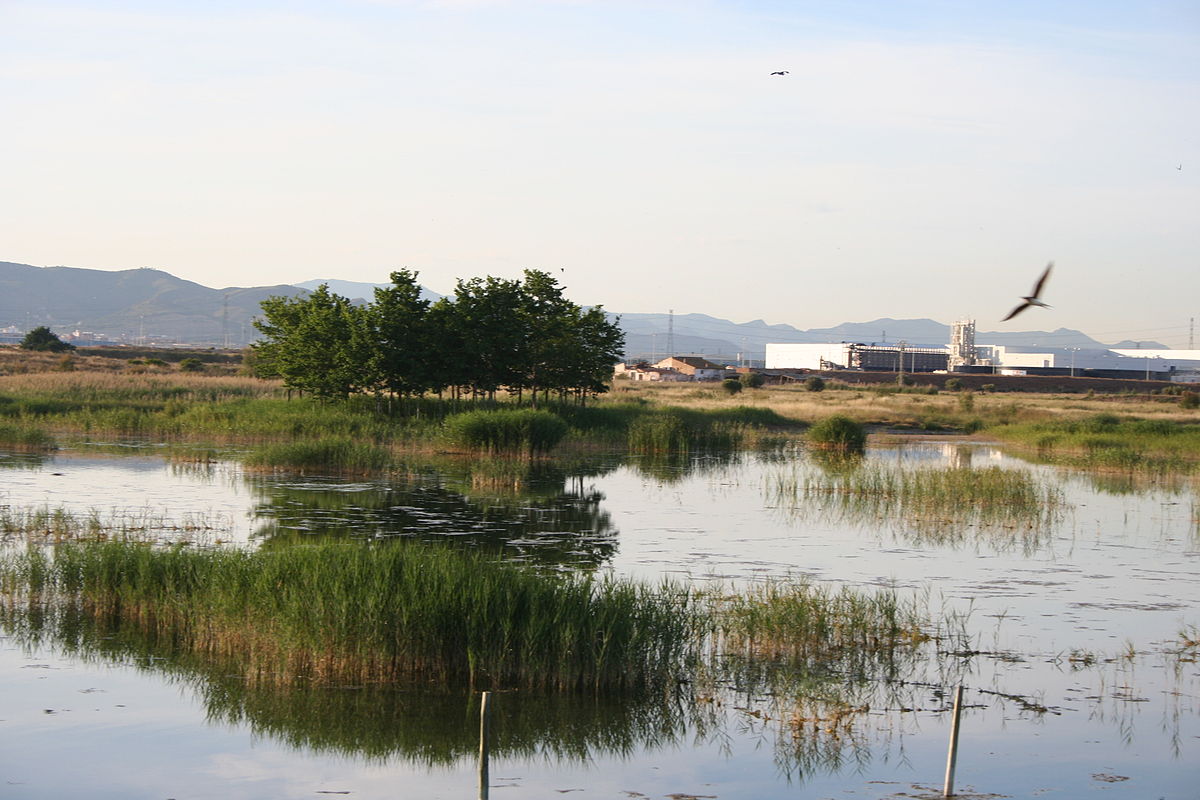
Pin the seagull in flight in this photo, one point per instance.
(780, 72)
(1032, 299)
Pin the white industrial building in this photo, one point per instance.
(963, 354)
(808, 356)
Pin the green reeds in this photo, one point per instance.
(328, 454)
(679, 430)
(377, 614)
(941, 502)
(838, 432)
(519, 430)
(799, 620)
(1106, 441)
(401, 612)
(22, 435)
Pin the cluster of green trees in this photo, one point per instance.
(493, 334)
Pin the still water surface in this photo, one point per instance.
(1056, 606)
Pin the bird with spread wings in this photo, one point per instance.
(1032, 299)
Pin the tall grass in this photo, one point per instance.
(518, 430)
(25, 435)
(1108, 441)
(338, 612)
(401, 612)
(336, 454)
(838, 432)
(938, 502)
(680, 430)
(799, 620)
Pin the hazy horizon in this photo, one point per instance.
(920, 159)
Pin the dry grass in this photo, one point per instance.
(15, 361)
(871, 406)
(83, 383)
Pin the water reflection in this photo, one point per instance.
(15, 459)
(814, 721)
(559, 520)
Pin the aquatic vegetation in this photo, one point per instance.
(939, 504)
(143, 525)
(517, 430)
(24, 435)
(328, 454)
(1109, 441)
(838, 432)
(397, 612)
(797, 620)
(371, 614)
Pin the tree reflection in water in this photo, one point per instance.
(533, 511)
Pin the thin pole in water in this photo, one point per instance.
(952, 757)
(485, 733)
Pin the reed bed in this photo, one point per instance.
(330, 453)
(338, 612)
(799, 620)
(517, 430)
(838, 432)
(400, 612)
(141, 525)
(24, 435)
(673, 430)
(930, 499)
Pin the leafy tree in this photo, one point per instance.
(570, 349)
(399, 339)
(317, 343)
(752, 380)
(814, 383)
(490, 317)
(45, 340)
(731, 385)
(598, 344)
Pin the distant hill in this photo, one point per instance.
(131, 305)
(151, 305)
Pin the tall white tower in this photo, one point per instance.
(962, 343)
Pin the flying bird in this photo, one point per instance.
(1032, 299)
(780, 72)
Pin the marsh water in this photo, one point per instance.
(1077, 681)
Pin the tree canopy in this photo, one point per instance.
(518, 335)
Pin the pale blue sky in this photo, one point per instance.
(921, 159)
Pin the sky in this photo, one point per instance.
(920, 159)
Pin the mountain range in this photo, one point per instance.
(149, 305)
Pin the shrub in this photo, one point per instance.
(731, 385)
(752, 380)
(191, 365)
(988, 387)
(953, 384)
(45, 340)
(1100, 423)
(904, 380)
(966, 401)
(815, 384)
(1189, 400)
(838, 433)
